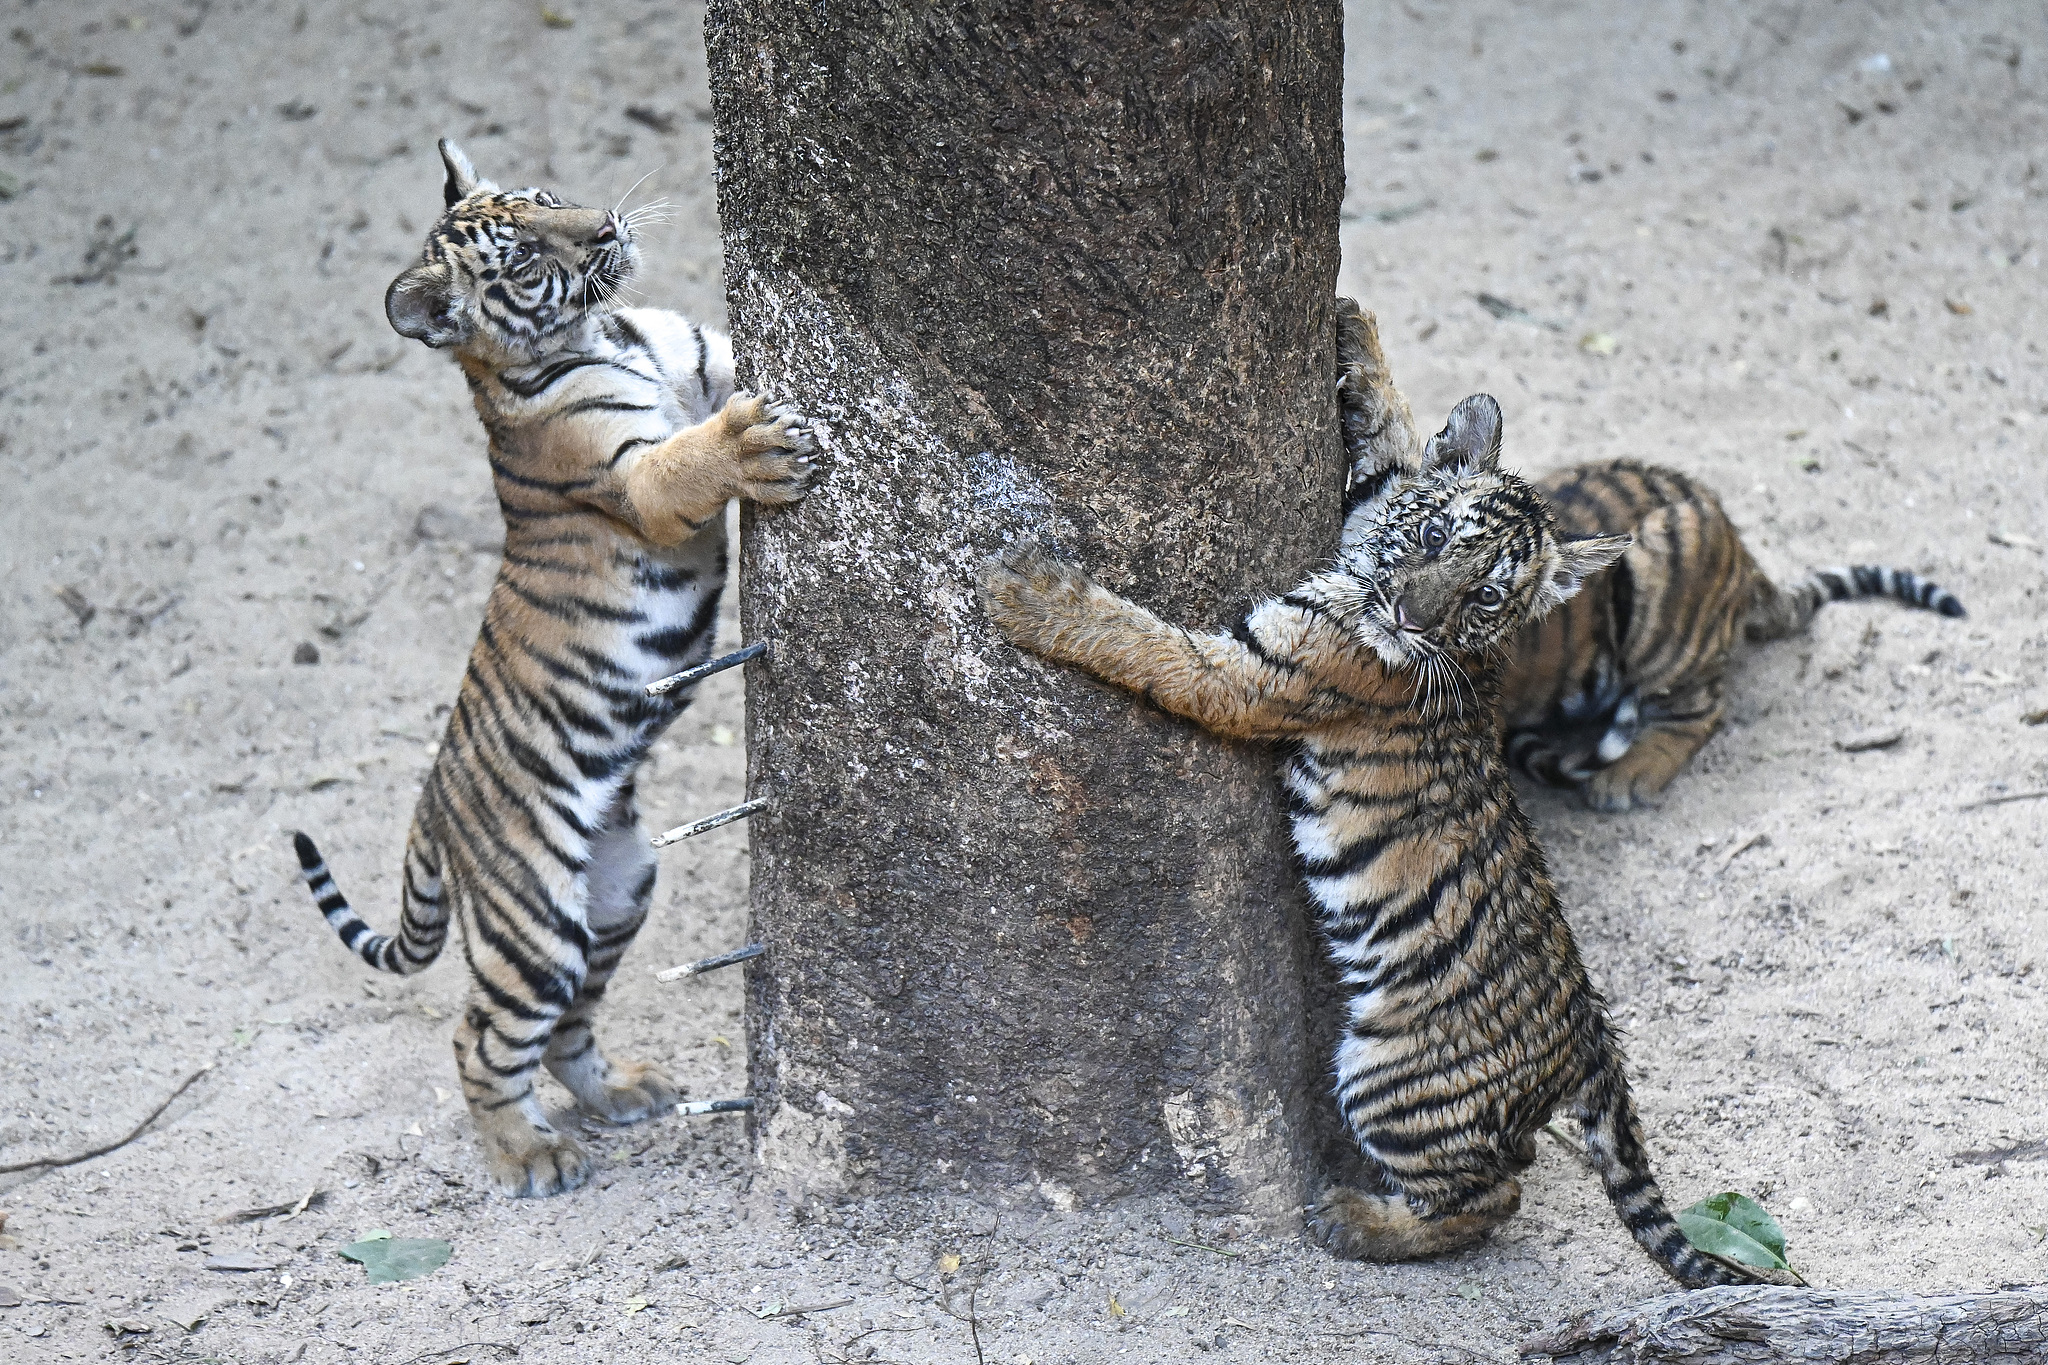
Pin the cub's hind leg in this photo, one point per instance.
(525, 971)
(1390, 1227)
(620, 883)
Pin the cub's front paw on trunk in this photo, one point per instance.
(1029, 594)
(772, 449)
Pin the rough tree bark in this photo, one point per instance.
(1819, 1327)
(1044, 270)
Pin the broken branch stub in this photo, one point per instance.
(709, 822)
(711, 964)
(705, 670)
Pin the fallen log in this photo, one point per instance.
(1766, 1325)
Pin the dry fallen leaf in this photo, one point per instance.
(1961, 310)
(949, 1262)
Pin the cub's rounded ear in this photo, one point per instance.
(463, 180)
(1470, 438)
(423, 304)
(1579, 560)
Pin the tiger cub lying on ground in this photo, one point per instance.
(616, 441)
(1470, 1019)
(1614, 692)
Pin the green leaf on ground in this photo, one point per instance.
(389, 1258)
(1735, 1226)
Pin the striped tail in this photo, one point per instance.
(424, 922)
(1614, 1140)
(1776, 612)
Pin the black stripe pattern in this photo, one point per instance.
(1616, 691)
(527, 833)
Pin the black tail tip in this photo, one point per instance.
(309, 856)
(1950, 607)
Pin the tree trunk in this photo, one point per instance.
(1044, 271)
(1760, 1326)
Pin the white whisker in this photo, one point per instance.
(629, 190)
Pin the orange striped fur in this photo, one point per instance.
(1617, 691)
(616, 441)
(1471, 1019)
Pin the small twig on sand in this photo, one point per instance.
(1566, 1141)
(842, 1357)
(312, 1199)
(1745, 846)
(798, 1310)
(2036, 1150)
(446, 1351)
(1197, 1246)
(2002, 800)
(140, 1128)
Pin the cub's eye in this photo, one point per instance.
(1488, 596)
(1434, 537)
(521, 254)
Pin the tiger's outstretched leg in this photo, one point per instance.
(1380, 441)
(620, 882)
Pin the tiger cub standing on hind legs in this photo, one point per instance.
(616, 441)
(1470, 1019)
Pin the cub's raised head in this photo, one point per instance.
(506, 270)
(1462, 554)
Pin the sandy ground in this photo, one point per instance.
(1813, 233)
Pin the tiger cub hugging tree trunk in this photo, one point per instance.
(1470, 1016)
(616, 440)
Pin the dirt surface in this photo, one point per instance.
(1814, 237)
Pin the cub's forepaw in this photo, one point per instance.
(1613, 792)
(1348, 1224)
(776, 448)
(1024, 590)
